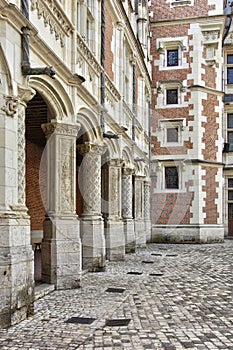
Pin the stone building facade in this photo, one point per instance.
(188, 120)
(75, 90)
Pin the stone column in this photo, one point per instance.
(127, 209)
(147, 218)
(16, 255)
(92, 225)
(61, 245)
(139, 211)
(114, 233)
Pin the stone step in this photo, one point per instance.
(43, 289)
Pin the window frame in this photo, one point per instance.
(177, 187)
(229, 66)
(165, 124)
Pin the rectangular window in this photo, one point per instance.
(230, 137)
(229, 121)
(171, 177)
(230, 75)
(172, 135)
(229, 69)
(172, 96)
(230, 183)
(230, 195)
(172, 58)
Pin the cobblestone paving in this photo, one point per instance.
(182, 300)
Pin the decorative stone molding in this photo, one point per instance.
(11, 106)
(147, 200)
(127, 193)
(60, 128)
(89, 147)
(25, 94)
(85, 55)
(210, 36)
(90, 181)
(53, 17)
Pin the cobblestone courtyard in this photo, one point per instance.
(181, 300)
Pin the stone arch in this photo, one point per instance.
(113, 148)
(59, 103)
(90, 125)
(127, 157)
(6, 86)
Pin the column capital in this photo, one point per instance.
(128, 170)
(94, 148)
(60, 129)
(115, 162)
(25, 94)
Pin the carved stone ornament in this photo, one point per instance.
(25, 94)
(53, 17)
(11, 106)
(211, 35)
(91, 148)
(60, 128)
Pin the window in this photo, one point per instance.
(172, 58)
(230, 183)
(170, 132)
(171, 177)
(230, 131)
(230, 195)
(172, 135)
(172, 96)
(230, 69)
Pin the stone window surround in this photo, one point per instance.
(164, 124)
(165, 44)
(160, 174)
(162, 88)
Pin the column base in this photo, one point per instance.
(130, 240)
(140, 233)
(148, 231)
(61, 252)
(187, 233)
(115, 240)
(16, 271)
(93, 244)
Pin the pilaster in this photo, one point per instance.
(139, 211)
(114, 232)
(147, 218)
(16, 255)
(127, 209)
(92, 225)
(61, 245)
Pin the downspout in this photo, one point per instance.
(26, 67)
(134, 100)
(102, 77)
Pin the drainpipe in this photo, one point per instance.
(134, 100)
(26, 67)
(102, 77)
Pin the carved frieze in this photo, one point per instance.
(87, 55)
(53, 17)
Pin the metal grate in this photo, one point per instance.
(81, 320)
(134, 273)
(117, 322)
(115, 290)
